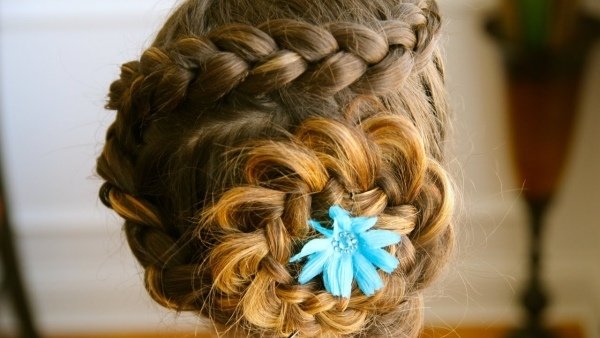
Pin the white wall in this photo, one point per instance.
(57, 61)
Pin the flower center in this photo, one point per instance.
(345, 242)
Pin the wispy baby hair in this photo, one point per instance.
(246, 119)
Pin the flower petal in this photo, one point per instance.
(326, 277)
(367, 278)
(314, 266)
(380, 238)
(380, 258)
(345, 275)
(341, 217)
(317, 226)
(330, 278)
(314, 245)
(338, 275)
(362, 224)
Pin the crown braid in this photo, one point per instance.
(277, 53)
(226, 142)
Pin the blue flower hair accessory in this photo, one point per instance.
(350, 250)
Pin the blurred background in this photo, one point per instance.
(57, 59)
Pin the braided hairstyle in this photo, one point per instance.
(244, 120)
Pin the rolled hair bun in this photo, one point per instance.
(245, 120)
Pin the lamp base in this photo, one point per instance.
(534, 332)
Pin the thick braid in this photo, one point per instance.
(216, 64)
(217, 159)
(259, 60)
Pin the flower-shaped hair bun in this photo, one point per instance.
(350, 250)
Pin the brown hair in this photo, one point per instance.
(244, 120)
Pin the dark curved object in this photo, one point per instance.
(13, 283)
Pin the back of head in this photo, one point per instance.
(246, 119)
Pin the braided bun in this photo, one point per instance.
(233, 130)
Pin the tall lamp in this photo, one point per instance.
(545, 44)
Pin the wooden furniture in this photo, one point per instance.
(566, 331)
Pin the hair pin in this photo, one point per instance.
(348, 251)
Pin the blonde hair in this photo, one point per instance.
(244, 120)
